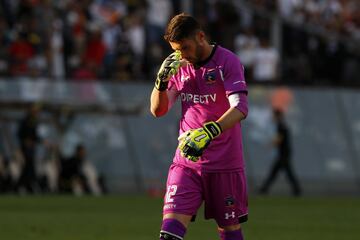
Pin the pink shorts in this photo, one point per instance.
(224, 194)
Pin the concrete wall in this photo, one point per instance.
(134, 151)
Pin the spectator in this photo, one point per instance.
(4, 43)
(266, 63)
(95, 50)
(245, 47)
(136, 36)
(57, 50)
(20, 52)
(158, 14)
(224, 26)
(112, 33)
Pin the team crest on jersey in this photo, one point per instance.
(185, 78)
(210, 76)
(229, 201)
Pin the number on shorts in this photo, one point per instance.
(171, 191)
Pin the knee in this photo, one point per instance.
(182, 218)
(230, 228)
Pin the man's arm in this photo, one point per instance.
(159, 103)
(230, 118)
(238, 111)
(159, 100)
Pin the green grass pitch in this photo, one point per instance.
(139, 218)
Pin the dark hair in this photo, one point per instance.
(181, 26)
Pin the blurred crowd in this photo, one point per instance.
(320, 40)
(341, 16)
(87, 39)
(122, 40)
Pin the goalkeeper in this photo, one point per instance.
(208, 165)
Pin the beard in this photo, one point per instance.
(198, 56)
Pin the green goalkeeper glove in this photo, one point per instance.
(192, 143)
(168, 68)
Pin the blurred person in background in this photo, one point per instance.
(71, 176)
(49, 170)
(78, 175)
(282, 161)
(29, 26)
(246, 44)
(57, 63)
(266, 62)
(109, 15)
(158, 13)
(21, 52)
(95, 50)
(4, 175)
(4, 43)
(76, 20)
(135, 32)
(29, 139)
(224, 26)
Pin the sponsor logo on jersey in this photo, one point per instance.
(210, 76)
(197, 98)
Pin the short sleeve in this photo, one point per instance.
(233, 75)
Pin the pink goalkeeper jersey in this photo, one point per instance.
(204, 97)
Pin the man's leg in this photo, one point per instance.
(182, 200)
(296, 190)
(271, 177)
(226, 202)
(174, 226)
(232, 232)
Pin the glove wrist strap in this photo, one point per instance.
(161, 85)
(213, 129)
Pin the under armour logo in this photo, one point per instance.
(229, 215)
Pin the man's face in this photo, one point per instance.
(191, 48)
